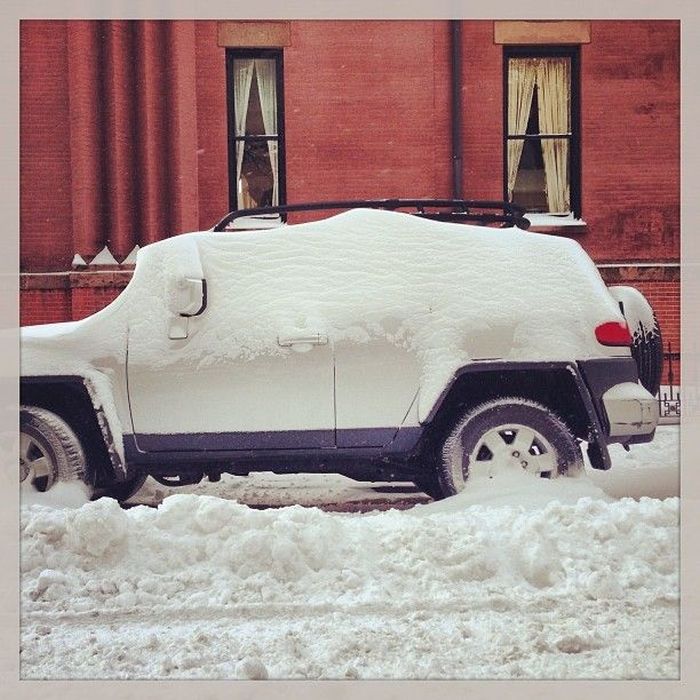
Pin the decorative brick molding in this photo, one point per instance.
(70, 280)
(613, 273)
(541, 32)
(253, 34)
(67, 296)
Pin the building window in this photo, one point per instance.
(255, 128)
(541, 127)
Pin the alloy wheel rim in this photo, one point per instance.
(35, 464)
(513, 447)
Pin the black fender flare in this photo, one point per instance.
(59, 392)
(491, 379)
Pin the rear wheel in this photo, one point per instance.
(507, 434)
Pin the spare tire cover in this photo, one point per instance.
(647, 343)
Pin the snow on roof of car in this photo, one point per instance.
(447, 292)
(442, 290)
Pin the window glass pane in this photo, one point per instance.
(254, 125)
(257, 181)
(254, 158)
(529, 190)
(242, 87)
(555, 154)
(542, 180)
(266, 84)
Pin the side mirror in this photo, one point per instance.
(190, 299)
(191, 296)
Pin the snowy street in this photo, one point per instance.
(317, 576)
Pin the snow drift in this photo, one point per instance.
(203, 587)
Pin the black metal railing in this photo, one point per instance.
(669, 395)
(458, 210)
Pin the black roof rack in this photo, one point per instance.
(455, 210)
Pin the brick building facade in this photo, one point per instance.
(128, 134)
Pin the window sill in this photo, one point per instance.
(564, 224)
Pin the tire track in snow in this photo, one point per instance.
(260, 611)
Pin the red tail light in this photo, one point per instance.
(613, 333)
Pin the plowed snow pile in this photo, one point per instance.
(544, 579)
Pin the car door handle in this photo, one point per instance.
(306, 339)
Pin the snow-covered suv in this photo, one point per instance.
(376, 344)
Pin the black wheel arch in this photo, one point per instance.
(558, 386)
(69, 398)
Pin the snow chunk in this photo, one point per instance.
(104, 257)
(97, 528)
(252, 669)
(603, 585)
(78, 261)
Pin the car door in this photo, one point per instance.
(226, 377)
(376, 385)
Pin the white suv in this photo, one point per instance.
(376, 344)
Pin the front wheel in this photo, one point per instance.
(506, 434)
(49, 450)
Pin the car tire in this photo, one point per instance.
(506, 433)
(49, 450)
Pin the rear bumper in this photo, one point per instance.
(631, 411)
(626, 410)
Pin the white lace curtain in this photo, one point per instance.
(242, 82)
(553, 80)
(264, 70)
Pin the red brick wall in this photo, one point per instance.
(212, 126)
(365, 115)
(665, 299)
(482, 107)
(44, 306)
(630, 106)
(45, 171)
(85, 301)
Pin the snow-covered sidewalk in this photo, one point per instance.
(515, 578)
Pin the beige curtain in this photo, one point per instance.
(554, 96)
(267, 87)
(522, 73)
(242, 82)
